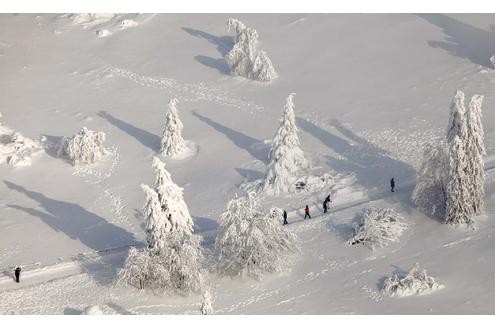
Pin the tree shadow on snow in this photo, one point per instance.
(223, 45)
(79, 224)
(239, 139)
(71, 311)
(147, 139)
(249, 175)
(370, 164)
(463, 40)
(50, 145)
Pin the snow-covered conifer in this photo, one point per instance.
(243, 60)
(155, 221)
(206, 307)
(86, 147)
(475, 150)
(172, 142)
(263, 69)
(430, 194)
(135, 272)
(492, 60)
(458, 208)
(171, 199)
(286, 157)
(251, 242)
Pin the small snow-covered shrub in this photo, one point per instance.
(414, 282)
(492, 60)
(15, 149)
(86, 147)
(378, 227)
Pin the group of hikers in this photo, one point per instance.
(326, 203)
(307, 215)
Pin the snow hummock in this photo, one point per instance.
(378, 227)
(85, 147)
(414, 282)
(15, 149)
(92, 310)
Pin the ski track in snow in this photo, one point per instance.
(199, 91)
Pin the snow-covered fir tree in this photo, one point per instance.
(173, 260)
(243, 60)
(206, 306)
(475, 150)
(430, 194)
(458, 209)
(251, 242)
(172, 142)
(86, 147)
(286, 158)
(171, 199)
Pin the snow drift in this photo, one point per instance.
(414, 282)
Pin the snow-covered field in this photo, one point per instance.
(371, 91)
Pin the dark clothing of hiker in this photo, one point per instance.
(325, 204)
(285, 218)
(17, 274)
(306, 212)
(392, 185)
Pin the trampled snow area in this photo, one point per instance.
(371, 91)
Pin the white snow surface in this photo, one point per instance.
(372, 90)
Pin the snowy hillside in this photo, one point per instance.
(370, 92)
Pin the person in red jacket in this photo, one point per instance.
(306, 212)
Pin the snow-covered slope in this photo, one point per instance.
(371, 90)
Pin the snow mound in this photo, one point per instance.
(92, 310)
(15, 149)
(86, 147)
(105, 24)
(378, 227)
(190, 150)
(414, 282)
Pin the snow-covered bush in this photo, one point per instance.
(492, 60)
(86, 147)
(251, 242)
(243, 60)
(414, 282)
(15, 149)
(172, 142)
(430, 191)
(378, 227)
(286, 158)
(206, 307)
(172, 262)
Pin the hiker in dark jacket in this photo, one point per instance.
(285, 218)
(325, 204)
(392, 184)
(306, 212)
(17, 274)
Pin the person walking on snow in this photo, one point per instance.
(285, 218)
(306, 213)
(325, 204)
(17, 274)
(392, 184)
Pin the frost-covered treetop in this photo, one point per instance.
(474, 125)
(457, 122)
(172, 142)
(286, 134)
